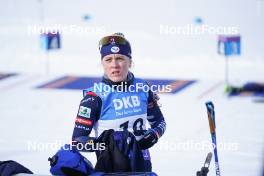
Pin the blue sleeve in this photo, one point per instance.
(88, 113)
(154, 115)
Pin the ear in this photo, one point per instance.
(130, 63)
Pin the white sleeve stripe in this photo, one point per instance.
(150, 117)
(162, 126)
(151, 123)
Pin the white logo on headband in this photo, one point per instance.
(115, 49)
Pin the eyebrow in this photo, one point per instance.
(117, 57)
(120, 57)
(108, 58)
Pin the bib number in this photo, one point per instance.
(137, 125)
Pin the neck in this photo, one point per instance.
(129, 79)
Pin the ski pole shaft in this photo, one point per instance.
(211, 119)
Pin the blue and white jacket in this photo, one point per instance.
(104, 108)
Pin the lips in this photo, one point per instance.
(115, 73)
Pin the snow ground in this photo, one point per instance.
(36, 117)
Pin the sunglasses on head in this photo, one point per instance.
(113, 39)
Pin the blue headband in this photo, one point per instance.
(116, 49)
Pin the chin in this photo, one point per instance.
(117, 79)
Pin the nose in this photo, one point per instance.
(114, 63)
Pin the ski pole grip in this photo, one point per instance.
(211, 116)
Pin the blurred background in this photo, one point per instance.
(170, 39)
(159, 31)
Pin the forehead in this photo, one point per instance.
(112, 56)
